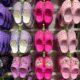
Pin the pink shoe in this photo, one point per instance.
(48, 41)
(39, 68)
(48, 68)
(38, 12)
(72, 41)
(39, 41)
(76, 11)
(64, 63)
(25, 65)
(15, 67)
(62, 40)
(66, 12)
(48, 12)
(74, 68)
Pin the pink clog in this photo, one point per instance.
(39, 68)
(66, 12)
(64, 63)
(74, 68)
(15, 67)
(76, 11)
(48, 41)
(48, 68)
(62, 40)
(39, 41)
(72, 41)
(25, 65)
(38, 12)
(48, 12)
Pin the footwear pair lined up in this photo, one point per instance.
(43, 13)
(20, 43)
(67, 41)
(21, 66)
(44, 41)
(69, 67)
(23, 13)
(44, 68)
(69, 13)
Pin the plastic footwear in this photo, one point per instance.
(48, 41)
(66, 12)
(14, 41)
(17, 12)
(9, 20)
(76, 11)
(39, 41)
(15, 67)
(27, 12)
(6, 42)
(64, 63)
(74, 68)
(25, 64)
(48, 12)
(72, 41)
(2, 14)
(38, 12)
(62, 40)
(48, 68)
(25, 42)
(3, 42)
(39, 68)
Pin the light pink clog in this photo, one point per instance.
(72, 41)
(66, 12)
(62, 40)
(76, 11)
(74, 68)
(64, 63)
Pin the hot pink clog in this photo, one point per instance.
(48, 12)
(39, 41)
(39, 68)
(48, 68)
(48, 41)
(38, 12)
